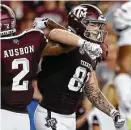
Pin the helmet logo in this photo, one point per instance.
(80, 12)
(7, 26)
(16, 41)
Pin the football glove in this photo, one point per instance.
(40, 23)
(119, 121)
(92, 49)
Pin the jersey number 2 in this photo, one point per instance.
(77, 81)
(18, 77)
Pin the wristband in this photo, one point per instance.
(81, 42)
(113, 112)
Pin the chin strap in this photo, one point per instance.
(70, 29)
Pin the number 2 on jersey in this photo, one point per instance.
(18, 77)
(77, 81)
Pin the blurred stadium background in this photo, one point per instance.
(26, 11)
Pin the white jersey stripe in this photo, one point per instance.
(21, 34)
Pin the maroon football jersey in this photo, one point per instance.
(20, 56)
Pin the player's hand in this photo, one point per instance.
(119, 121)
(93, 50)
(40, 23)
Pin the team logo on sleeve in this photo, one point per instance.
(51, 122)
(16, 41)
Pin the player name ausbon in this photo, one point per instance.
(19, 51)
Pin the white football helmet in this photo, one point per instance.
(122, 17)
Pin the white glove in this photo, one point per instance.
(119, 121)
(40, 23)
(92, 49)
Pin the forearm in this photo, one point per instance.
(98, 100)
(37, 95)
(96, 97)
(55, 47)
(66, 37)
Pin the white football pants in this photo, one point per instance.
(46, 120)
(14, 121)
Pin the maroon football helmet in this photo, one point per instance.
(87, 21)
(7, 21)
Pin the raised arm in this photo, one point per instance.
(68, 38)
(53, 47)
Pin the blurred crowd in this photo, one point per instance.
(26, 11)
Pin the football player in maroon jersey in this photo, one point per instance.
(63, 78)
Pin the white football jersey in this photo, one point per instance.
(125, 38)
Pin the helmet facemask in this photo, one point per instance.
(7, 29)
(7, 21)
(94, 30)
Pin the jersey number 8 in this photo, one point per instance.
(77, 81)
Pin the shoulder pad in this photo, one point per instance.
(33, 30)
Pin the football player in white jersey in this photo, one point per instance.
(122, 23)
